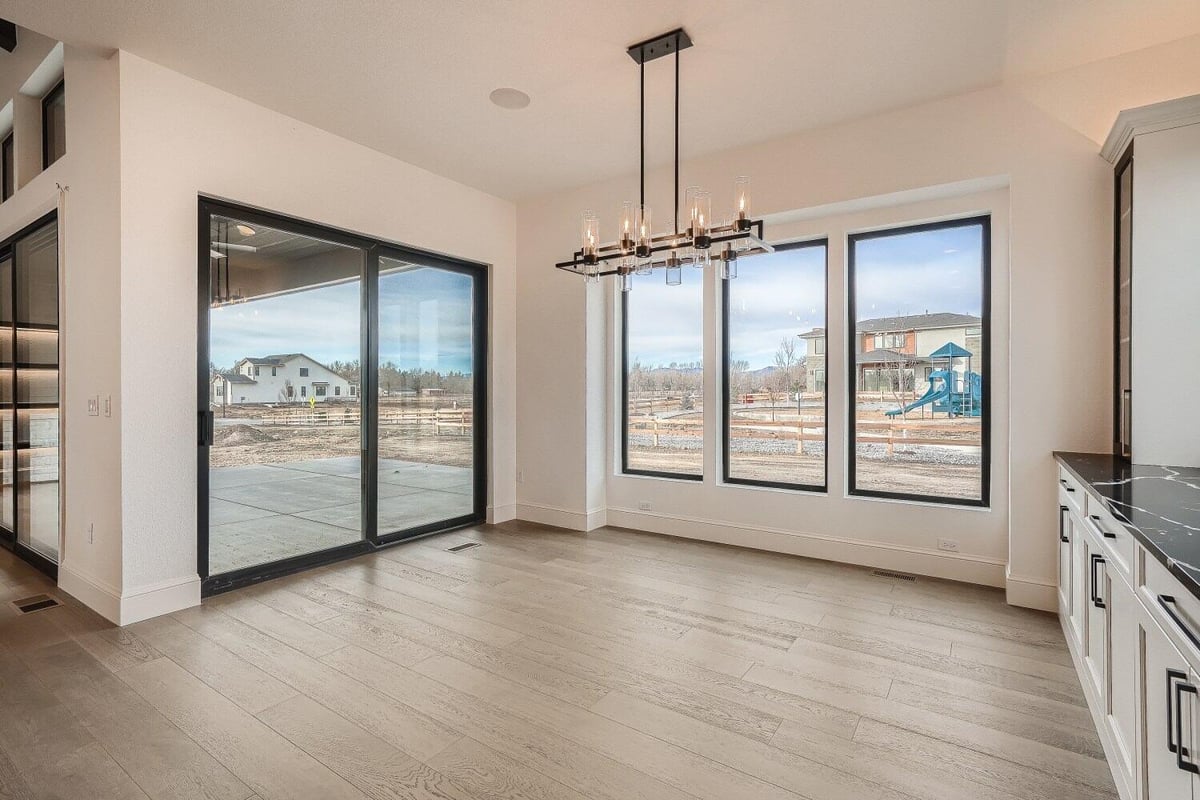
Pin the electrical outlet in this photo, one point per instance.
(91, 532)
(949, 545)
(643, 506)
(520, 476)
(94, 406)
(108, 405)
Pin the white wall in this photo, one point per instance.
(181, 138)
(1058, 279)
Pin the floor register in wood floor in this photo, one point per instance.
(549, 665)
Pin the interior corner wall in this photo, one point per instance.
(89, 290)
(1059, 279)
(180, 139)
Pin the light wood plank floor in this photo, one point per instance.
(548, 665)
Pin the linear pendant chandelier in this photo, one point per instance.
(638, 251)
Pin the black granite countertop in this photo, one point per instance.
(1160, 505)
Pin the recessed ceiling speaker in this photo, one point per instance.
(509, 98)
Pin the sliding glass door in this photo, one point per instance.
(428, 376)
(285, 339)
(341, 388)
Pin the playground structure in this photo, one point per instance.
(953, 393)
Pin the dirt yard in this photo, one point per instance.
(239, 444)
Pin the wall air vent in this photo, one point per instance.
(900, 576)
(37, 602)
(458, 548)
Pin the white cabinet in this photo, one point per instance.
(1121, 673)
(1165, 694)
(1134, 633)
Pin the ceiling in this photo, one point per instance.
(411, 79)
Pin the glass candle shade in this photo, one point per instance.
(741, 202)
(643, 232)
(626, 227)
(701, 215)
(589, 235)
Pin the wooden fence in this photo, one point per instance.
(886, 432)
(439, 420)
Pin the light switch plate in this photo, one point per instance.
(94, 406)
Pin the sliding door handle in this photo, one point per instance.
(205, 429)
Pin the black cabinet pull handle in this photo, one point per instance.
(1063, 481)
(1168, 605)
(1097, 601)
(1104, 533)
(1173, 675)
(1062, 525)
(1182, 756)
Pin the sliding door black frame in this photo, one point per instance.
(10, 539)
(373, 250)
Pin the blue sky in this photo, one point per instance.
(782, 294)
(424, 313)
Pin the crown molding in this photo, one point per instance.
(1148, 119)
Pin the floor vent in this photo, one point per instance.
(883, 573)
(28, 605)
(458, 548)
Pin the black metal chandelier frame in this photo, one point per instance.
(665, 250)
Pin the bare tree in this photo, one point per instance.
(783, 379)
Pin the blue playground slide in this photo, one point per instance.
(955, 404)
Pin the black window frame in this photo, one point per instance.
(625, 468)
(59, 91)
(823, 488)
(303, 372)
(984, 221)
(8, 167)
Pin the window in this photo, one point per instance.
(774, 364)
(220, 389)
(304, 391)
(54, 125)
(353, 389)
(274, 372)
(7, 166)
(319, 390)
(304, 372)
(337, 391)
(256, 373)
(936, 279)
(663, 425)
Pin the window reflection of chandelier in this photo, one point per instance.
(637, 249)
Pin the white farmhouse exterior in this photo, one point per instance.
(287, 378)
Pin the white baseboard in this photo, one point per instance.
(97, 595)
(596, 518)
(920, 561)
(553, 515)
(1031, 593)
(504, 513)
(160, 598)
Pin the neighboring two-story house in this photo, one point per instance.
(286, 378)
(894, 349)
